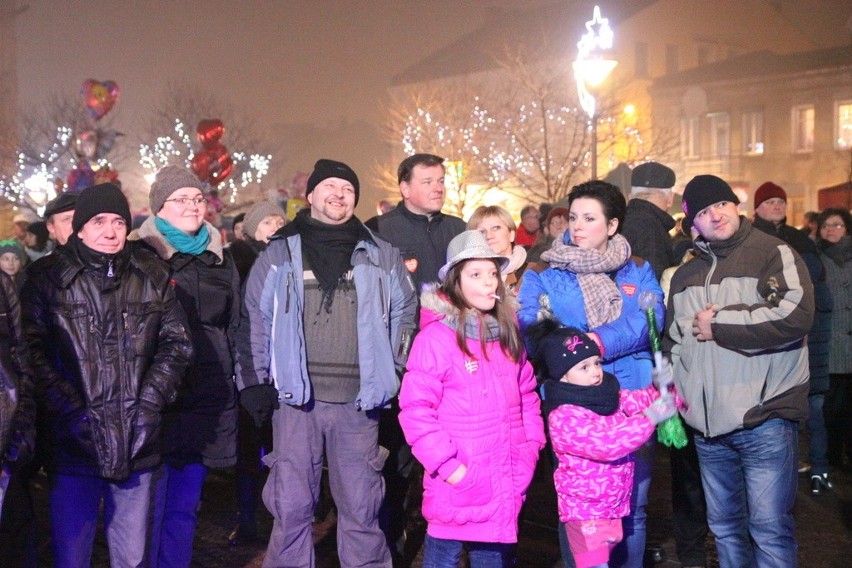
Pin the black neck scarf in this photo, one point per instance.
(601, 399)
(327, 249)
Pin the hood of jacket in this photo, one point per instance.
(435, 307)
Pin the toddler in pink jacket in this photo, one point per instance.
(594, 427)
(470, 411)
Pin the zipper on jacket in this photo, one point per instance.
(110, 271)
(289, 288)
(92, 324)
(709, 275)
(382, 300)
(124, 319)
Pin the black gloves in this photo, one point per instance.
(260, 401)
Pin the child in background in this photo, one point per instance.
(594, 427)
(12, 257)
(470, 411)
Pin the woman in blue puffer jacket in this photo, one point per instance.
(589, 281)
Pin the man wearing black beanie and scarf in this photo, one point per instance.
(328, 315)
(108, 345)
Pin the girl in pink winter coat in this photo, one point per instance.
(470, 411)
(594, 428)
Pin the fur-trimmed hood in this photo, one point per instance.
(152, 236)
(435, 306)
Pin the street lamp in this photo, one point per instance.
(591, 68)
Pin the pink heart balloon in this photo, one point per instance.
(99, 97)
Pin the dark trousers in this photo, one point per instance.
(18, 525)
(252, 444)
(689, 510)
(400, 470)
(837, 411)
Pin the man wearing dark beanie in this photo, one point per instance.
(735, 329)
(108, 344)
(99, 199)
(770, 216)
(328, 316)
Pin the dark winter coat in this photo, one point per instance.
(422, 241)
(837, 259)
(819, 336)
(202, 426)
(244, 252)
(108, 343)
(17, 412)
(646, 228)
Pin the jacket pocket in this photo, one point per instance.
(474, 490)
(146, 433)
(141, 323)
(75, 318)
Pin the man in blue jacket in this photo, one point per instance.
(329, 312)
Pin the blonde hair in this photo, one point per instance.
(484, 211)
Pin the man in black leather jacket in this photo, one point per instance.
(108, 343)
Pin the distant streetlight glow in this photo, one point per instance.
(591, 69)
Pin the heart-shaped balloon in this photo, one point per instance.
(210, 131)
(200, 165)
(221, 164)
(99, 97)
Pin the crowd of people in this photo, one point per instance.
(417, 356)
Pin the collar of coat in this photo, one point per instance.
(149, 233)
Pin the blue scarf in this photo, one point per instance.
(183, 242)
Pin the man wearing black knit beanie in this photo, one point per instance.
(108, 344)
(330, 312)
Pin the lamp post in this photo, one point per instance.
(591, 68)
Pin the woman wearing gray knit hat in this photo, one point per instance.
(259, 224)
(200, 430)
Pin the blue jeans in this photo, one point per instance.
(176, 496)
(74, 504)
(440, 553)
(750, 482)
(817, 435)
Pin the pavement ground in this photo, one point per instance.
(823, 526)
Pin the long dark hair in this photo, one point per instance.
(509, 336)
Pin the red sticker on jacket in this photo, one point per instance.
(629, 289)
(411, 264)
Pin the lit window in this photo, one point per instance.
(803, 128)
(843, 129)
(689, 138)
(720, 134)
(753, 133)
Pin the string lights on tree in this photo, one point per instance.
(178, 149)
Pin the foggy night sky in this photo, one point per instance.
(320, 66)
(313, 74)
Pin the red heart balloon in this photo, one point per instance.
(99, 97)
(200, 164)
(210, 131)
(222, 165)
